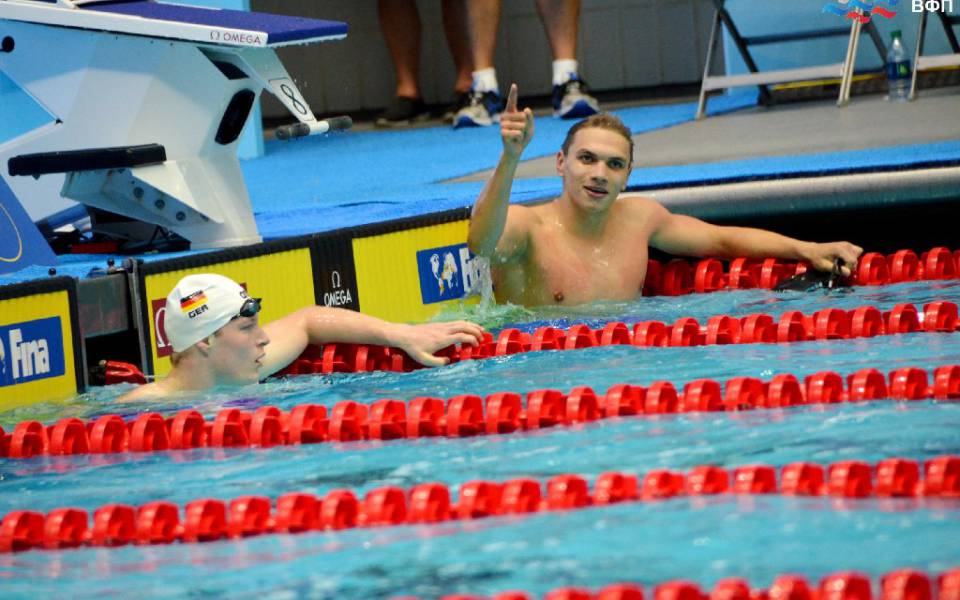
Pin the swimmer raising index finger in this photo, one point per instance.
(516, 127)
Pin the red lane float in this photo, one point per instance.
(792, 326)
(902, 584)
(466, 415)
(209, 519)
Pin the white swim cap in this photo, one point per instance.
(198, 306)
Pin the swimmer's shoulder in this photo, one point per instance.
(147, 391)
(639, 208)
(526, 215)
(524, 220)
(637, 203)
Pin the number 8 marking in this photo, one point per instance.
(293, 99)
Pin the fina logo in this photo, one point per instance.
(447, 273)
(34, 349)
(28, 357)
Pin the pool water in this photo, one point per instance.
(702, 539)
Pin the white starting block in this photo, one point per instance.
(150, 100)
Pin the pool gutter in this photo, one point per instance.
(784, 197)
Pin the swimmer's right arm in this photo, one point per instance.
(497, 230)
(318, 325)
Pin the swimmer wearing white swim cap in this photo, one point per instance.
(213, 325)
(589, 243)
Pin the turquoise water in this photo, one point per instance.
(704, 539)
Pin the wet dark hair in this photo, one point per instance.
(600, 121)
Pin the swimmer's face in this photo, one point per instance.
(595, 168)
(236, 351)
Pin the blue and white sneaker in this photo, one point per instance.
(571, 100)
(481, 109)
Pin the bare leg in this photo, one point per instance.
(484, 19)
(400, 24)
(561, 19)
(455, 28)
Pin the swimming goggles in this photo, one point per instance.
(251, 307)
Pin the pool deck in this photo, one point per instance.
(796, 129)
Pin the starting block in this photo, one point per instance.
(149, 101)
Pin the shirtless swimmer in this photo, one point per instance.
(588, 244)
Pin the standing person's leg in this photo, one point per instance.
(458, 41)
(400, 24)
(485, 103)
(561, 21)
(483, 17)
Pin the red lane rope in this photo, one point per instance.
(681, 276)
(466, 414)
(208, 519)
(792, 326)
(902, 584)
(678, 277)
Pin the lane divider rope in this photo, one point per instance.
(901, 584)
(681, 276)
(792, 326)
(466, 414)
(208, 519)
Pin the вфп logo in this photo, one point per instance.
(35, 351)
(861, 10)
(931, 5)
(447, 273)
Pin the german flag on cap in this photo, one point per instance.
(192, 301)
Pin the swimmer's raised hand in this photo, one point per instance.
(421, 341)
(516, 127)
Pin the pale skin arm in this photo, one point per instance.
(498, 230)
(688, 236)
(317, 325)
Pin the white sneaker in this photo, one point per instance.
(481, 110)
(571, 100)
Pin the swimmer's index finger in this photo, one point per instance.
(512, 98)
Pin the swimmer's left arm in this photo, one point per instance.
(688, 236)
(318, 325)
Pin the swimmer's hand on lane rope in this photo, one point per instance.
(288, 132)
(420, 342)
(516, 127)
(830, 262)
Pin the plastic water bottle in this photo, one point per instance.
(898, 69)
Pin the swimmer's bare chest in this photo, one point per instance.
(561, 269)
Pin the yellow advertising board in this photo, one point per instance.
(414, 274)
(39, 347)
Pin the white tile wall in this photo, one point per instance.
(623, 44)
